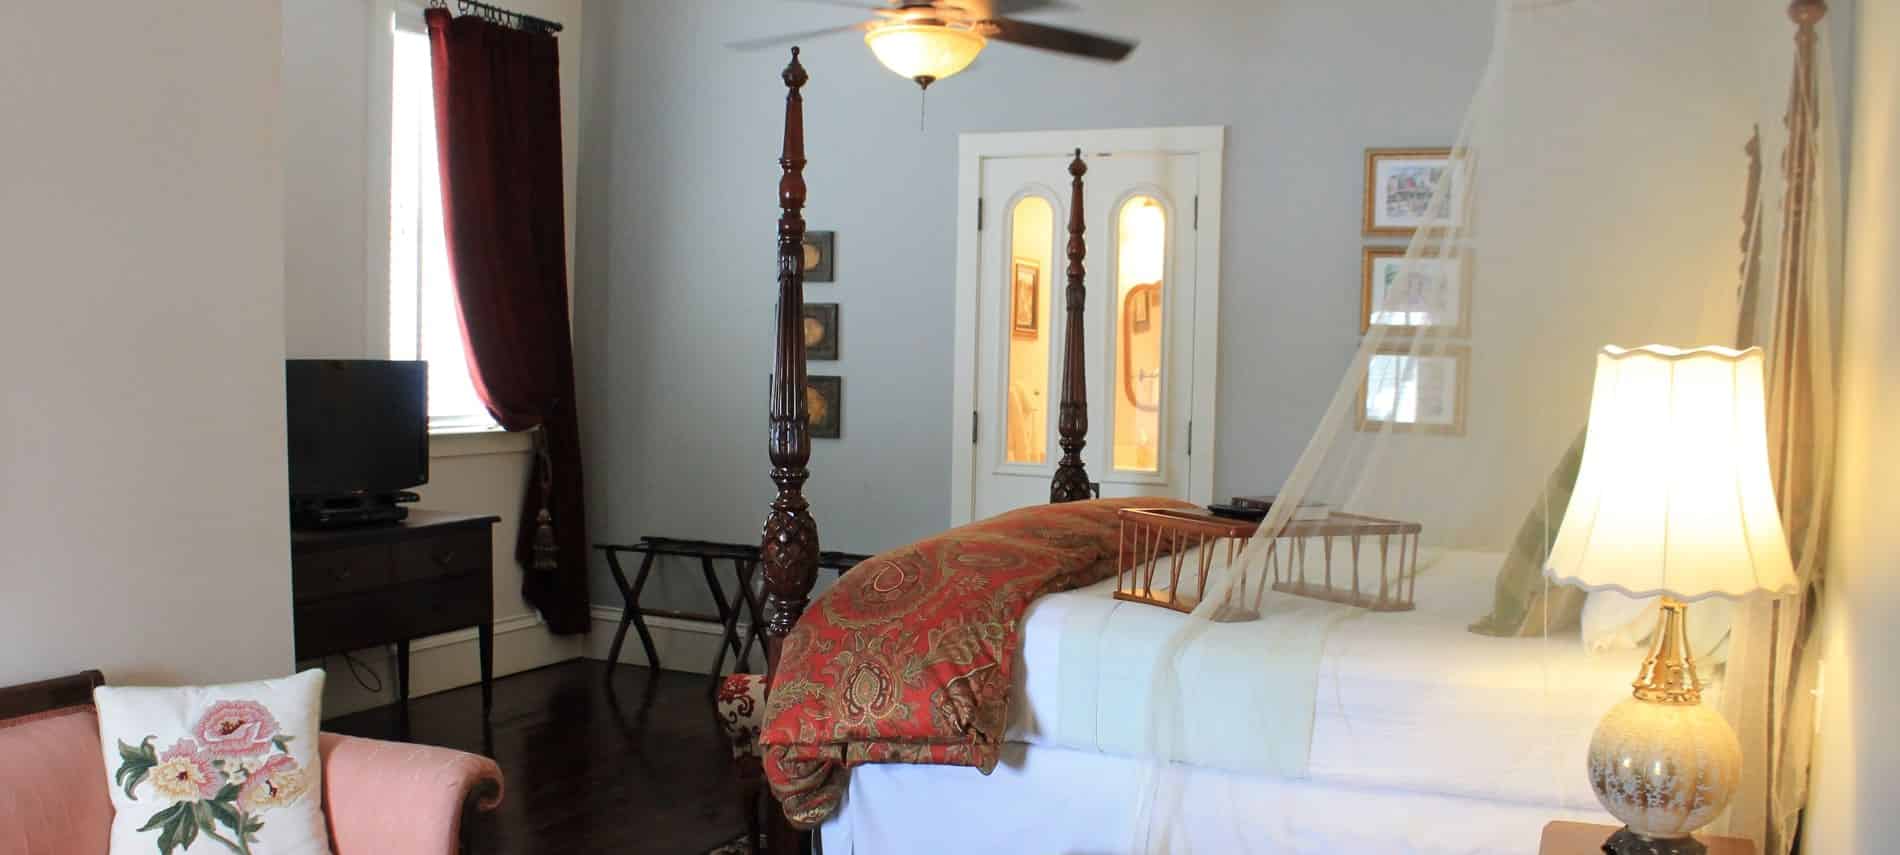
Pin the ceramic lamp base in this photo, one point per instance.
(1665, 770)
(1660, 761)
(1627, 842)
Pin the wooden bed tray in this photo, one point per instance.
(1154, 540)
(1152, 537)
(1396, 544)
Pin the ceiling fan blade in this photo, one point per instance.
(984, 9)
(794, 38)
(860, 5)
(1060, 40)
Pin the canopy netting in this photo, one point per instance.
(1624, 177)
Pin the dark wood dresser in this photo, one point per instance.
(390, 583)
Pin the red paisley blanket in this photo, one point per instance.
(907, 658)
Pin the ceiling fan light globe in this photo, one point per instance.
(918, 51)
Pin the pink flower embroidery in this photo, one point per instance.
(276, 783)
(236, 729)
(184, 773)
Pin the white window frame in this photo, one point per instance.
(385, 18)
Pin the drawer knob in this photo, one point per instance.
(445, 557)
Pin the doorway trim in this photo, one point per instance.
(1206, 141)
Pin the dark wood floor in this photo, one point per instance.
(632, 765)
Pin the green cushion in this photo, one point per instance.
(1523, 599)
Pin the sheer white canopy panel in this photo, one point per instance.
(1622, 178)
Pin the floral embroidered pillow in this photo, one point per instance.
(215, 769)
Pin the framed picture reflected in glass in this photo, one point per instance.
(1430, 293)
(1025, 298)
(1408, 391)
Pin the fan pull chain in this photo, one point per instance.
(923, 97)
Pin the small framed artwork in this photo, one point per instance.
(821, 331)
(820, 256)
(1408, 392)
(1140, 298)
(1025, 298)
(824, 405)
(1430, 293)
(1401, 184)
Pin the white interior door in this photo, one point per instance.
(1140, 327)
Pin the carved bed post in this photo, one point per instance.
(1071, 481)
(789, 552)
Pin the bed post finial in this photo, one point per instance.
(789, 551)
(1071, 482)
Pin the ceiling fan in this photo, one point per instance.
(929, 40)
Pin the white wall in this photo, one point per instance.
(1857, 762)
(675, 278)
(326, 162)
(333, 209)
(141, 413)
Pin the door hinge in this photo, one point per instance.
(972, 427)
(979, 213)
(1190, 442)
(1197, 211)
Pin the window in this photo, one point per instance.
(423, 323)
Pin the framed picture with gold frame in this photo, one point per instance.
(1431, 293)
(1025, 298)
(1401, 184)
(1415, 392)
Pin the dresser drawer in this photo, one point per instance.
(331, 572)
(448, 553)
(366, 619)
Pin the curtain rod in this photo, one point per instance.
(498, 15)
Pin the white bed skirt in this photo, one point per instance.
(1043, 800)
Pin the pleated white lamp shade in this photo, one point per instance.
(1674, 496)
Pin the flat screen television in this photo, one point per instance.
(357, 427)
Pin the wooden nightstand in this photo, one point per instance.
(1580, 838)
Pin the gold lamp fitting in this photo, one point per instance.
(1668, 675)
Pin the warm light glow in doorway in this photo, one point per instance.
(1141, 261)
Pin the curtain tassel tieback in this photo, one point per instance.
(544, 548)
(545, 551)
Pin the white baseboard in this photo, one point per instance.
(683, 645)
(439, 663)
(447, 661)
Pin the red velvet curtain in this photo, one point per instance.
(498, 128)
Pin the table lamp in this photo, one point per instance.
(1673, 500)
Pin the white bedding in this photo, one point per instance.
(1043, 800)
(1409, 701)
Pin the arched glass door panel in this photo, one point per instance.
(1032, 265)
(1141, 256)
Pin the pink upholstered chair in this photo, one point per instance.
(381, 798)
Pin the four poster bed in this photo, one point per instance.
(1001, 646)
